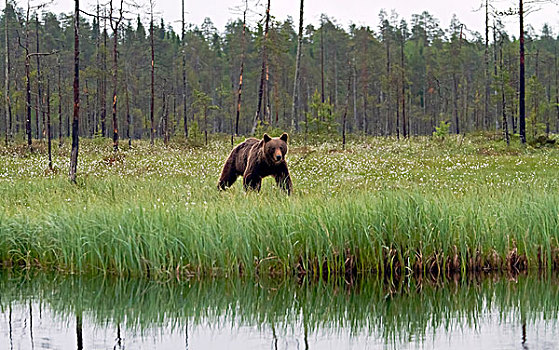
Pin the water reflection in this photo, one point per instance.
(42, 312)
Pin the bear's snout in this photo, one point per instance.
(277, 155)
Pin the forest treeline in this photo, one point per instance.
(396, 77)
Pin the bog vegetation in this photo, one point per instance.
(381, 206)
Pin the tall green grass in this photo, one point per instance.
(382, 232)
(381, 206)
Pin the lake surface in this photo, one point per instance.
(61, 312)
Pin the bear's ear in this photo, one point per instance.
(266, 138)
(284, 137)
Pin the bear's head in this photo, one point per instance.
(275, 148)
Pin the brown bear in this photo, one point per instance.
(255, 159)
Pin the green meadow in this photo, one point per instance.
(378, 206)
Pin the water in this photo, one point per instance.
(54, 312)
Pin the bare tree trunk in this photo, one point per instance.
(267, 108)
(535, 100)
(205, 125)
(365, 106)
(521, 102)
(388, 90)
(276, 102)
(28, 82)
(344, 118)
(174, 94)
(75, 123)
(104, 80)
(49, 137)
(98, 66)
(165, 111)
(397, 117)
(495, 72)
(263, 74)
(87, 124)
(152, 96)
(403, 69)
(184, 81)
(487, 74)
(355, 116)
(455, 102)
(322, 61)
(39, 84)
(294, 118)
(8, 107)
(128, 117)
(240, 88)
(556, 89)
(59, 102)
(115, 24)
(503, 99)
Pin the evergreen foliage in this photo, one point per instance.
(441, 76)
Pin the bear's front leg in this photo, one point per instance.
(252, 182)
(283, 180)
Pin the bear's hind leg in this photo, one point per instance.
(227, 180)
(229, 174)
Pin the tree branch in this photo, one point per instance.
(42, 53)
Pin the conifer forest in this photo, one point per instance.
(142, 79)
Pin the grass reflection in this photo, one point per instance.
(395, 312)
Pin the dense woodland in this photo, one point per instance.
(397, 77)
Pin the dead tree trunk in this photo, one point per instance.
(103, 97)
(128, 117)
(487, 74)
(165, 116)
(152, 96)
(184, 81)
(87, 123)
(49, 137)
(322, 61)
(294, 118)
(455, 102)
(556, 88)
(240, 87)
(98, 66)
(521, 101)
(39, 84)
(7, 106)
(75, 122)
(344, 118)
(263, 74)
(403, 77)
(388, 89)
(59, 82)
(115, 24)
(503, 98)
(27, 82)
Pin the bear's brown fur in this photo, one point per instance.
(255, 159)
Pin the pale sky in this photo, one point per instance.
(345, 12)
